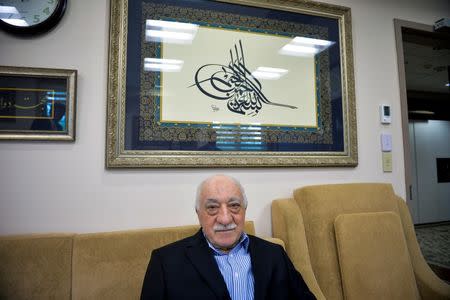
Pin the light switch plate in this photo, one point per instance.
(386, 142)
(387, 161)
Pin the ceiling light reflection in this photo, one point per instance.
(302, 46)
(10, 15)
(174, 25)
(170, 32)
(309, 41)
(181, 36)
(7, 10)
(16, 22)
(269, 73)
(162, 65)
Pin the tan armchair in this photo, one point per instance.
(355, 241)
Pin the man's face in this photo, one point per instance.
(221, 212)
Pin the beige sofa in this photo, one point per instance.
(96, 266)
(355, 241)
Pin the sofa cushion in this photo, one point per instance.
(36, 266)
(373, 257)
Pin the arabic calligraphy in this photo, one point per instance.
(13, 104)
(233, 83)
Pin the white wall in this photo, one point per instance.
(65, 187)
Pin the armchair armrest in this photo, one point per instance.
(429, 284)
(287, 224)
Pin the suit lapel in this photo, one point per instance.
(259, 266)
(200, 255)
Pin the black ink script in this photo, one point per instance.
(233, 83)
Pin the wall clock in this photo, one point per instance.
(30, 17)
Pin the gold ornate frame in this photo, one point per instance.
(44, 74)
(119, 157)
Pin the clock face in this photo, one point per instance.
(30, 16)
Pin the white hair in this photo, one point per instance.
(204, 182)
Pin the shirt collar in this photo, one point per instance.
(243, 243)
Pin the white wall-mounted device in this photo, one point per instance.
(385, 114)
(386, 142)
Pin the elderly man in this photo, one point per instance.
(221, 261)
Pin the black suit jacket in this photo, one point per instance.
(187, 269)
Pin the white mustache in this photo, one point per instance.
(220, 227)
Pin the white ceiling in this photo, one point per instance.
(426, 67)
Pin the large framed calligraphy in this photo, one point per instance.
(236, 83)
(37, 104)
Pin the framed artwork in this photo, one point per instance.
(37, 104)
(196, 83)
